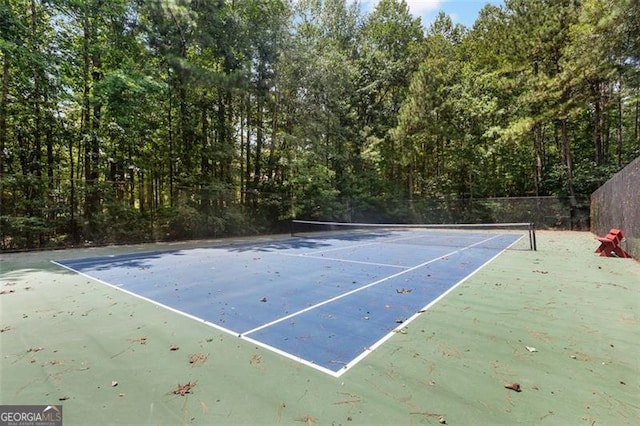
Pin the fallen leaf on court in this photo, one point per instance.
(513, 386)
(429, 414)
(35, 349)
(531, 349)
(173, 348)
(264, 299)
(63, 398)
(114, 383)
(3, 329)
(197, 359)
(352, 398)
(308, 420)
(403, 290)
(7, 291)
(184, 389)
(141, 340)
(442, 420)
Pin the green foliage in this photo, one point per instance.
(127, 121)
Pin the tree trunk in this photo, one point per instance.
(566, 144)
(37, 116)
(259, 141)
(171, 144)
(619, 124)
(538, 144)
(4, 98)
(596, 92)
(243, 176)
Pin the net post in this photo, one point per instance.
(532, 237)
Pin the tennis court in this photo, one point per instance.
(113, 358)
(325, 300)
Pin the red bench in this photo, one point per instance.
(610, 244)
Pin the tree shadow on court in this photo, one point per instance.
(308, 242)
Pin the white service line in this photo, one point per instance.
(405, 323)
(342, 260)
(364, 287)
(392, 240)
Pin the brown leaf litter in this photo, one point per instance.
(197, 359)
(184, 389)
(513, 386)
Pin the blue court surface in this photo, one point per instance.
(325, 302)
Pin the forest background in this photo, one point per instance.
(138, 120)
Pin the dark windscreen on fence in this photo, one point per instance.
(616, 204)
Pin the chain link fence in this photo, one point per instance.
(544, 212)
(43, 213)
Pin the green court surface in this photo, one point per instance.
(561, 322)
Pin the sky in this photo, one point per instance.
(461, 11)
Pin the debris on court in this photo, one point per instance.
(351, 398)
(3, 329)
(308, 420)
(7, 291)
(174, 348)
(403, 290)
(264, 299)
(441, 418)
(513, 386)
(197, 359)
(531, 349)
(184, 389)
(35, 349)
(114, 383)
(141, 340)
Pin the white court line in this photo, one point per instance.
(193, 317)
(288, 355)
(364, 287)
(404, 324)
(342, 260)
(373, 243)
(119, 288)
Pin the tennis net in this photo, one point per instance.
(419, 234)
